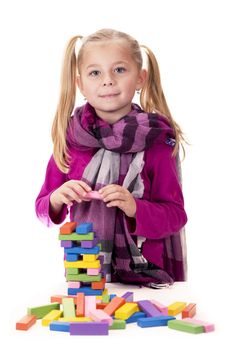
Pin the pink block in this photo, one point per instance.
(100, 316)
(90, 304)
(93, 195)
(162, 308)
(93, 272)
(74, 284)
(208, 327)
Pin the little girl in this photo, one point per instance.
(129, 154)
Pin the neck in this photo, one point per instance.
(112, 117)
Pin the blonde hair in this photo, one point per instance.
(152, 98)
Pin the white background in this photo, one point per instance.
(191, 42)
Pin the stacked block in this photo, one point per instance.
(82, 260)
(88, 309)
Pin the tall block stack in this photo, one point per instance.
(82, 259)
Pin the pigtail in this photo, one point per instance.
(65, 106)
(152, 98)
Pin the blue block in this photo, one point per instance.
(85, 290)
(84, 228)
(154, 321)
(111, 296)
(71, 257)
(79, 250)
(135, 317)
(59, 326)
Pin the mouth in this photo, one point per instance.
(109, 95)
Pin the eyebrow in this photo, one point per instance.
(114, 64)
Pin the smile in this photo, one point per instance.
(109, 95)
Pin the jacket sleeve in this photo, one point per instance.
(163, 213)
(54, 178)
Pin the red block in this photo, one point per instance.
(26, 322)
(189, 311)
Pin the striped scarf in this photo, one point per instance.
(118, 159)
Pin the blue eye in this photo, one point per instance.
(120, 69)
(94, 73)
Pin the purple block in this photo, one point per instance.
(90, 244)
(89, 328)
(148, 308)
(128, 296)
(66, 244)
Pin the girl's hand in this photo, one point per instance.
(70, 191)
(118, 196)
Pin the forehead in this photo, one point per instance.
(113, 50)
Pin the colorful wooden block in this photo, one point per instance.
(53, 315)
(68, 228)
(176, 308)
(90, 244)
(68, 307)
(83, 277)
(76, 237)
(156, 321)
(41, 311)
(189, 311)
(93, 195)
(135, 317)
(100, 316)
(82, 264)
(89, 328)
(118, 324)
(93, 272)
(59, 326)
(84, 228)
(208, 327)
(162, 308)
(128, 296)
(80, 310)
(90, 257)
(72, 257)
(147, 307)
(79, 250)
(113, 305)
(85, 290)
(183, 326)
(126, 310)
(98, 285)
(74, 284)
(90, 304)
(75, 319)
(26, 322)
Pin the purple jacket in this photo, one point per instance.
(160, 212)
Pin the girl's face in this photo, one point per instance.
(108, 79)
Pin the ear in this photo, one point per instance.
(79, 84)
(141, 79)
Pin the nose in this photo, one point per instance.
(108, 80)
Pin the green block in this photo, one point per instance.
(185, 326)
(118, 324)
(77, 237)
(72, 271)
(68, 307)
(105, 298)
(41, 311)
(83, 277)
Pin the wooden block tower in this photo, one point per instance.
(82, 260)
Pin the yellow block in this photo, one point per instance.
(51, 316)
(75, 319)
(90, 257)
(176, 308)
(126, 310)
(105, 291)
(82, 264)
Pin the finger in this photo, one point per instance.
(116, 203)
(84, 185)
(108, 188)
(78, 190)
(114, 196)
(71, 195)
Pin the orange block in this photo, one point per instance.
(26, 322)
(113, 305)
(101, 306)
(68, 228)
(98, 285)
(189, 311)
(58, 298)
(80, 301)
